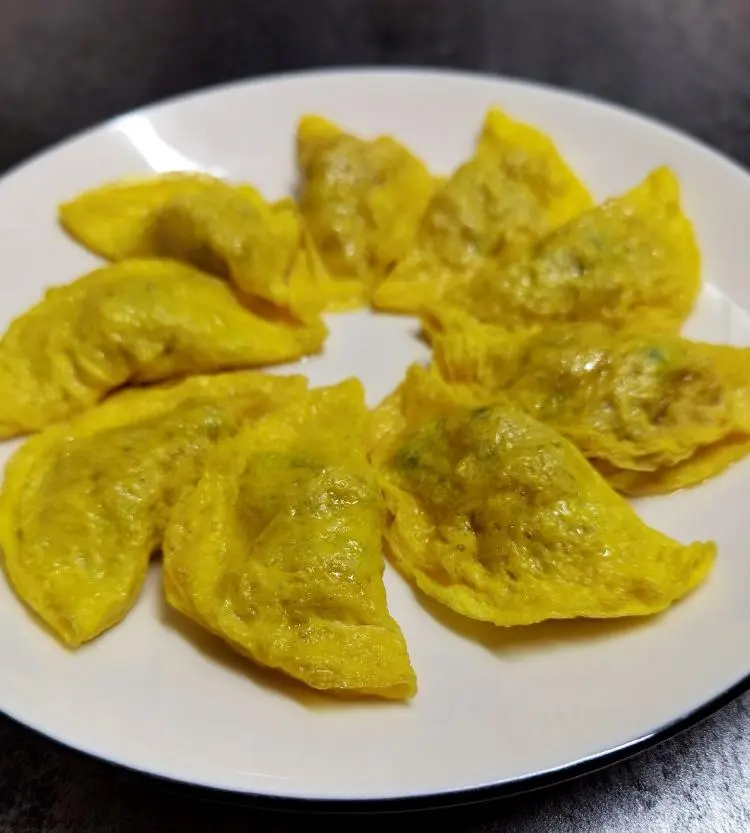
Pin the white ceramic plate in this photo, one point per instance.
(501, 710)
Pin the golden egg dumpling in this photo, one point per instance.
(132, 322)
(278, 550)
(85, 504)
(514, 190)
(226, 230)
(502, 519)
(631, 261)
(653, 411)
(362, 201)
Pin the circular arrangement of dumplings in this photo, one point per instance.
(494, 478)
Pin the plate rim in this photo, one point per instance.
(444, 799)
(653, 122)
(484, 792)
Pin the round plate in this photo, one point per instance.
(497, 709)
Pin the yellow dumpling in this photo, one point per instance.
(230, 231)
(84, 504)
(653, 412)
(631, 261)
(260, 247)
(116, 220)
(512, 192)
(362, 201)
(278, 550)
(132, 322)
(502, 519)
(530, 156)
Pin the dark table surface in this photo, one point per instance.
(66, 64)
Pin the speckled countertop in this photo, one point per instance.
(65, 64)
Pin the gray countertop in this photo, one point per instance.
(65, 64)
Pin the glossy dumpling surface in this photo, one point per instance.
(278, 550)
(85, 503)
(128, 323)
(514, 190)
(226, 230)
(631, 261)
(362, 200)
(653, 411)
(501, 519)
(116, 220)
